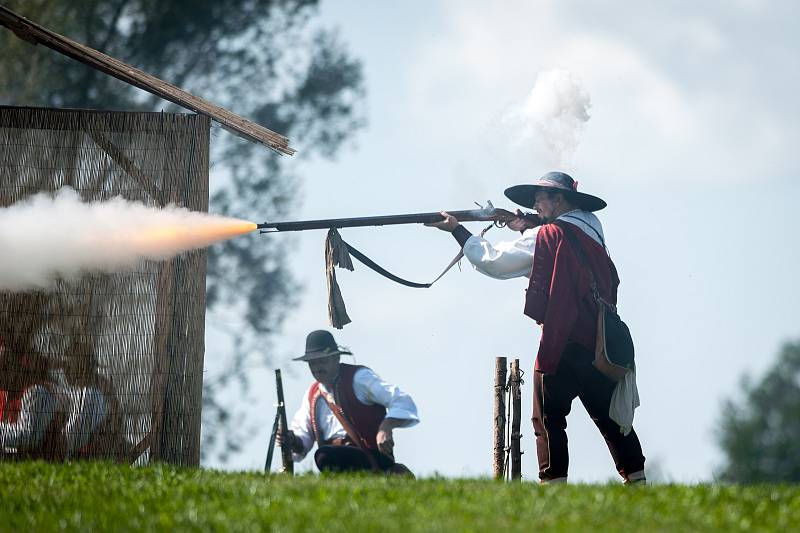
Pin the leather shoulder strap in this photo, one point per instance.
(349, 429)
(576, 245)
(579, 251)
(600, 237)
(313, 396)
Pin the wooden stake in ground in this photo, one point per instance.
(498, 462)
(516, 407)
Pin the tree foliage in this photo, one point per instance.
(759, 434)
(268, 60)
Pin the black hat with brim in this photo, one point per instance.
(321, 344)
(525, 195)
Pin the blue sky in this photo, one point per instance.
(692, 142)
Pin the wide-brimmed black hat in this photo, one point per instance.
(319, 344)
(525, 195)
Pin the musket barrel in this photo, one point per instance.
(386, 220)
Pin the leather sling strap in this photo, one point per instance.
(349, 429)
(601, 360)
(366, 261)
(602, 241)
(576, 245)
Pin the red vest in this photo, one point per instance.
(364, 418)
(10, 405)
(559, 295)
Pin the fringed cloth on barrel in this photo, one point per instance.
(337, 253)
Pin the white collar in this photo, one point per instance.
(586, 221)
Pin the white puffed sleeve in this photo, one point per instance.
(504, 260)
(370, 389)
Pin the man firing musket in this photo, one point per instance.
(572, 292)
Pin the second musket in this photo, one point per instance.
(287, 461)
(488, 213)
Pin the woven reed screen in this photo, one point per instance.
(117, 358)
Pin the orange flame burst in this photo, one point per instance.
(166, 239)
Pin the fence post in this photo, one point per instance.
(498, 462)
(516, 408)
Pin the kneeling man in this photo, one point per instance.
(349, 412)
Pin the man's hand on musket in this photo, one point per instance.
(295, 443)
(524, 221)
(448, 224)
(384, 437)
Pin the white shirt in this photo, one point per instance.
(514, 259)
(37, 409)
(370, 389)
(87, 409)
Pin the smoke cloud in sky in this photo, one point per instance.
(549, 123)
(48, 236)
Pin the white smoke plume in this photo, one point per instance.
(49, 236)
(550, 121)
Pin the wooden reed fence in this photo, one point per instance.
(121, 353)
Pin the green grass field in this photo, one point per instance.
(100, 497)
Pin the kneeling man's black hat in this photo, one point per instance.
(319, 344)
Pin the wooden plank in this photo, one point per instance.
(162, 426)
(158, 381)
(179, 431)
(34, 33)
(198, 268)
(142, 180)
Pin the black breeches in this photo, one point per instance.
(576, 376)
(349, 459)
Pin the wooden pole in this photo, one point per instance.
(516, 415)
(499, 417)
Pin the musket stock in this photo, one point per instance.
(488, 213)
(271, 447)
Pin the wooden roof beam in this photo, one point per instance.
(36, 34)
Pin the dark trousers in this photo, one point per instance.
(354, 459)
(552, 400)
